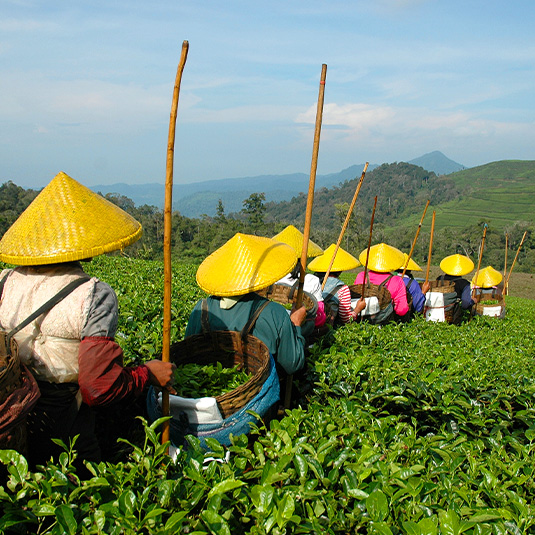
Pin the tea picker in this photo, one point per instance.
(236, 326)
(68, 345)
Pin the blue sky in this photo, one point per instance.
(86, 86)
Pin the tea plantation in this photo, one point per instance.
(420, 428)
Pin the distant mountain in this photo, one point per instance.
(195, 199)
(438, 163)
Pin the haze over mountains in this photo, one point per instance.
(195, 199)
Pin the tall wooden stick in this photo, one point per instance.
(415, 238)
(480, 257)
(308, 215)
(505, 265)
(311, 186)
(345, 225)
(430, 248)
(516, 256)
(369, 246)
(167, 229)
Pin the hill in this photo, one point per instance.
(438, 163)
(195, 199)
(500, 191)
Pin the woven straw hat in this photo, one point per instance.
(342, 262)
(383, 258)
(245, 264)
(456, 265)
(294, 238)
(67, 222)
(413, 266)
(487, 278)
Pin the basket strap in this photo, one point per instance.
(386, 280)
(2, 282)
(252, 320)
(64, 292)
(205, 322)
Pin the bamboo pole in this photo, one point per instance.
(308, 214)
(505, 265)
(368, 250)
(345, 225)
(516, 256)
(415, 238)
(474, 290)
(480, 254)
(430, 247)
(167, 229)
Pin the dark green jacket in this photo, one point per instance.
(274, 327)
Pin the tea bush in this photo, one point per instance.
(421, 428)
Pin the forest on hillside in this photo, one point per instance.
(402, 191)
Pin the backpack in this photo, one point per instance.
(379, 305)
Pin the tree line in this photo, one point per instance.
(195, 238)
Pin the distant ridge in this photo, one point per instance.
(438, 163)
(198, 198)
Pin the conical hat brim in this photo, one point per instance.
(413, 266)
(294, 238)
(245, 264)
(383, 258)
(456, 265)
(487, 278)
(66, 222)
(342, 262)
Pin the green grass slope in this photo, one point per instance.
(502, 192)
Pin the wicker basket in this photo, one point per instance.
(372, 290)
(10, 374)
(482, 309)
(446, 287)
(231, 350)
(11, 379)
(286, 294)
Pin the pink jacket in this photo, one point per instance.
(395, 286)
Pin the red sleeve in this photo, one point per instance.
(102, 377)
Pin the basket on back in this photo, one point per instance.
(230, 349)
(378, 302)
(442, 302)
(16, 386)
(490, 304)
(285, 295)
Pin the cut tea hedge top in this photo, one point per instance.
(487, 278)
(342, 262)
(456, 265)
(294, 238)
(244, 264)
(67, 222)
(383, 258)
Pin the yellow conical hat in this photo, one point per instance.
(342, 262)
(67, 222)
(413, 266)
(487, 278)
(383, 258)
(244, 264)
(456, 265)
(294, 238)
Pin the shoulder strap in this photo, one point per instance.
(64, 292)
(2, 282)
(252, 320)
(205, 322)
(386, 280)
